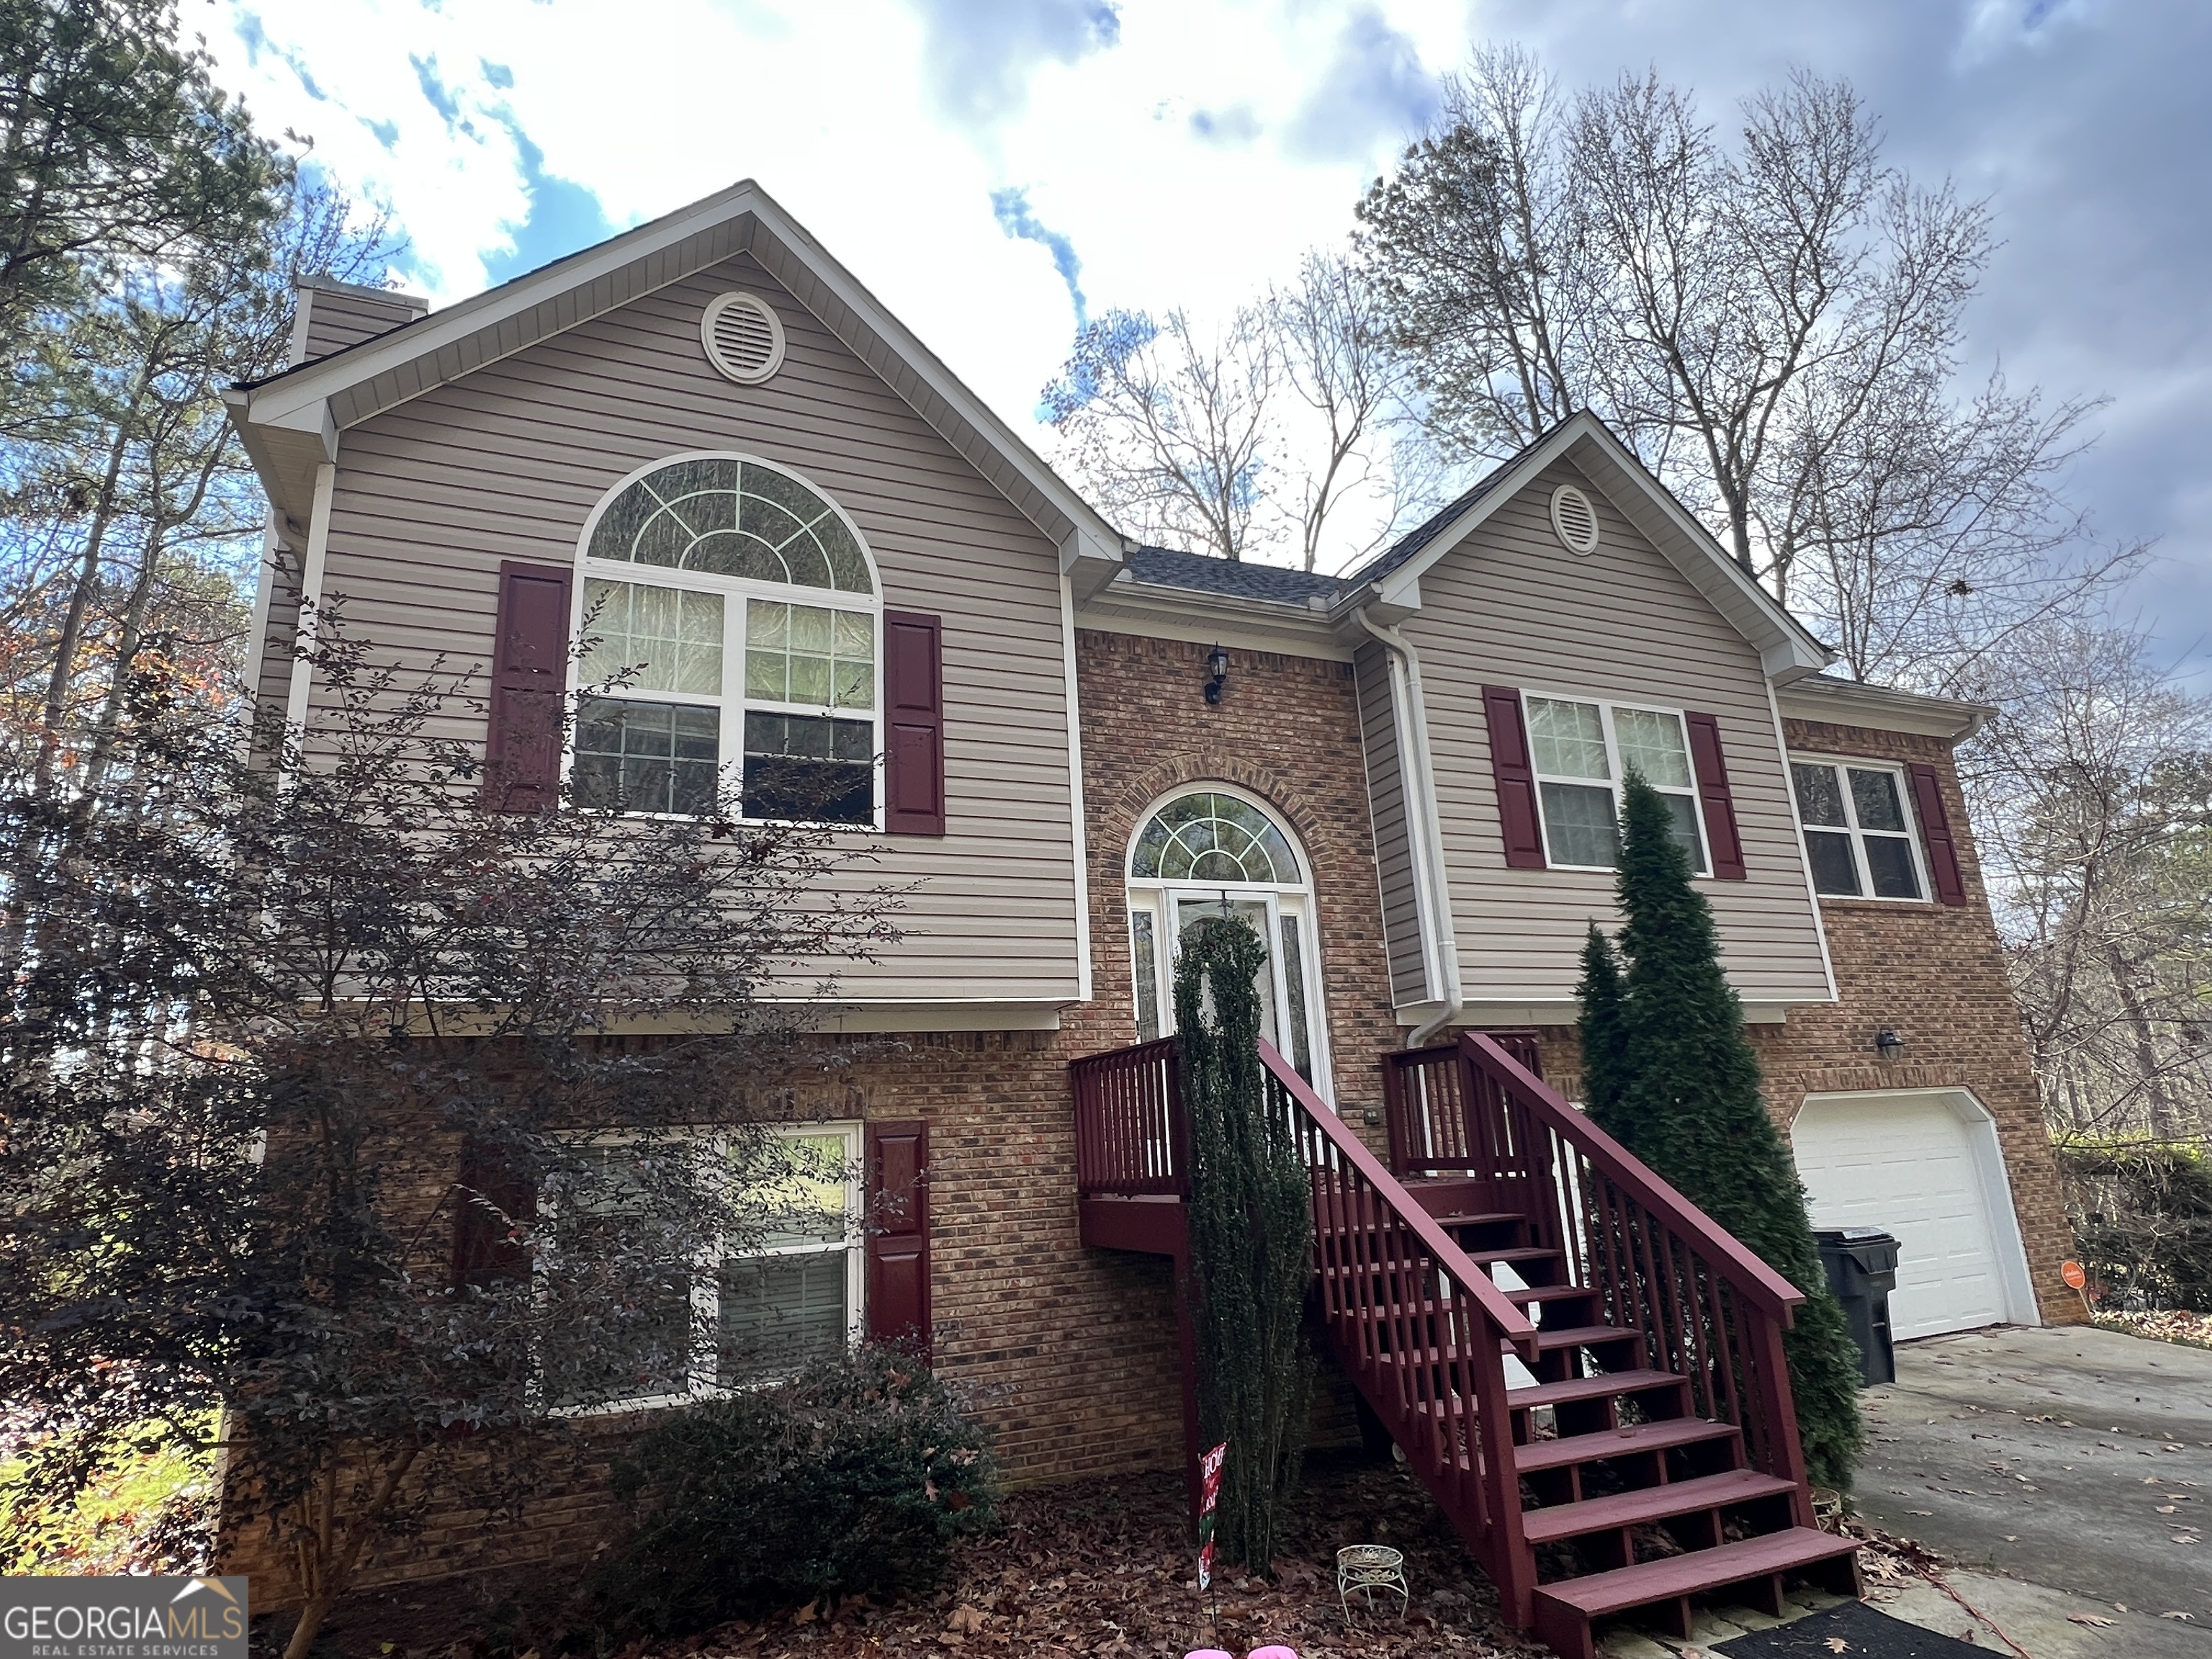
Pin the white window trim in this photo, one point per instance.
(1157, 895)
(706, 1270)
(1619, 781)
(735, 590)
(1910, 835)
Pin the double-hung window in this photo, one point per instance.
(1582, 752)
(737, 621)
(647, 1312)
(1858, 839)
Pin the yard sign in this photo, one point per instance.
(1209, 1475)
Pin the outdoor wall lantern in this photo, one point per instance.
(1217, 673)
(1888, 1044)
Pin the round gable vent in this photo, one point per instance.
(1574, 518)
(744, 338)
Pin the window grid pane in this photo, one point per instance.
(638, 756)
(672, 636)
(810, 770)
(1889, 863)
(1651, 744)
(1875, 798)
(1567, 739)
(1579, 825)
(806, 654)
(1835, 872)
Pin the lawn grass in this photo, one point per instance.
(106, 1529)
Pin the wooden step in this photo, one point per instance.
(1550, 1293)
(1512, 1255)
(1648, 1504)
(1691, 1574)
(1605, 1385)
(1663, 1435)
(1549, 1339)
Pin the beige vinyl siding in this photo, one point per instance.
(505, 463)
(338, 317)
(1393, 853)
(1512, 606)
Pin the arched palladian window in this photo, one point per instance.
(1215, 851)
(746, 606)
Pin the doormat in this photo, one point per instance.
(1863, 1632)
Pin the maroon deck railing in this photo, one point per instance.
(1708, 1308)
(1421, 1329)
(1131, 1136)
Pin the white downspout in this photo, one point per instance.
(1417, 776)
(311, 593)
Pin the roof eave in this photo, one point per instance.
(1882, 708)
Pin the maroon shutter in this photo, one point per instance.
(898, 1234)
(1721, 842)
(1517, 778)
(529, 681)
(1935, 834)
(491, 1201)
(913, 724)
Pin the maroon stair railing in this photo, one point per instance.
(1708, 1309)
(1132, 1138)
(1420, 1330)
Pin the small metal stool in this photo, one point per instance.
(1367, 1568)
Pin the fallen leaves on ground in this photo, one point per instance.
(1104, 1568)
(2191, 1330)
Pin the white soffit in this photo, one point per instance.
(1786, 650)
(291, 421)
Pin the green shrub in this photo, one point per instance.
(2142, 1213)
(852, 1477)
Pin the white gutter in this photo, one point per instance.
(1424, 838)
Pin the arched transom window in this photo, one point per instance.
(736, 616)
(1215, 851)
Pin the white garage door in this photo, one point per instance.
(1910, 1164)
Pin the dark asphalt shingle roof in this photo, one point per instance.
(1163, 566)
(1403, 550)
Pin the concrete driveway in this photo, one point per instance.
(2071, 1457)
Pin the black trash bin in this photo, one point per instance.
(1862, 1264)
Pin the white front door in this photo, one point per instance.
(1913, 1165)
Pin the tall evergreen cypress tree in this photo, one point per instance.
(1671, 1043)
(1251, 1241)
(1603, 1035)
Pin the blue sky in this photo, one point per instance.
(992, 168)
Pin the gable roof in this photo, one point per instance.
(291, 422)
(1786, 648)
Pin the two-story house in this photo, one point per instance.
(826, 550)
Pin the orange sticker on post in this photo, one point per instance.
(2072, 1273)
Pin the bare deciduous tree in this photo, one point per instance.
(1773, 324)
(1328, 328)
(2094, 791)
(1171, 428)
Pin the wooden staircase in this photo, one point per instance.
(1584, 1369)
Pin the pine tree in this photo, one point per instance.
(1689, 1104)
(1251, 1239)
(1604, 1009)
